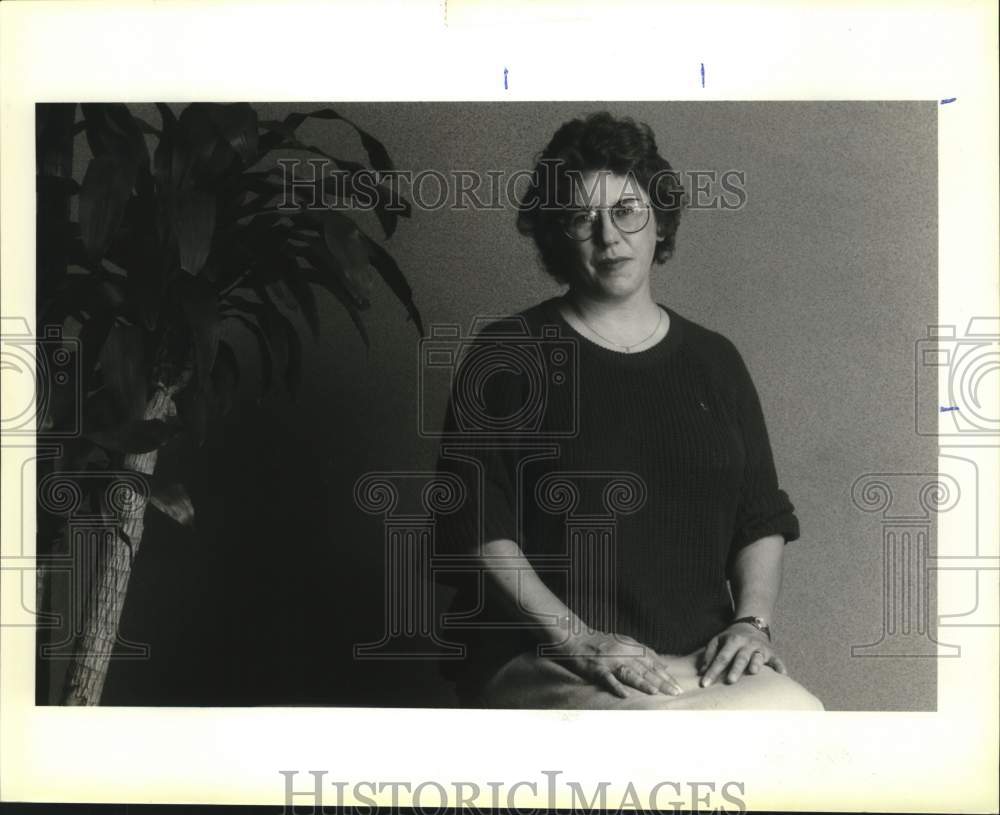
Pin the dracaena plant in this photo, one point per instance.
(178, 229)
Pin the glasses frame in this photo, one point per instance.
(647, 208)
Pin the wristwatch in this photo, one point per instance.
(756, 622)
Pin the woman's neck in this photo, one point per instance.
(634, 322)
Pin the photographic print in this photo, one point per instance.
(268, 311)
(404, 411)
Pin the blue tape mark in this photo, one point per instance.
(703, 74)
(946, 409)
(505, 79)
(949, 100)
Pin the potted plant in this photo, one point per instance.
(178, 229)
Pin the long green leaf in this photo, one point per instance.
(237, 124)
(164, 153)
(93, 334)
(112, 131)
(282, 332)
(123, 368)
(107, 186)
(173, 501)
(225, 377)
(336, 288)
(333, 277)
(343, 240)
(198, 131)
(377, 154)
(264, 347)
(390, 272)
(305, 296)
(192, 409)
(280, 291)
(194, 226)
(200, 306)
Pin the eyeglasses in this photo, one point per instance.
(627, 216)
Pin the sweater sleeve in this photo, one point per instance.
(470, 453)
(764, 509)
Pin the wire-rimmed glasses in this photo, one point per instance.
(627, 216)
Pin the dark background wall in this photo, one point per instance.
(824, 281)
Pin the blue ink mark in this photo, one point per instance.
(946, 409)
(949, 100)
(505, 79)
(703, 74)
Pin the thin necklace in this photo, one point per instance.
(628, 348)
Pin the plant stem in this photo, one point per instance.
(87, 673)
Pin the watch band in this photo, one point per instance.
(756, 622)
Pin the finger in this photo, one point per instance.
(663, 670)
(709, 653)
(609, 681)
(660, 678)
(722, 659)
(650, 663)
(663, 679)
(756, 662)
(739, 665)
(669, 684)
(636, 678)
(673, 687)
(778, 664)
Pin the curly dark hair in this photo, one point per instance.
(597, 142)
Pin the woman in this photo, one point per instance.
(605, 519)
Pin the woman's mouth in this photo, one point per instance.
(611, 264)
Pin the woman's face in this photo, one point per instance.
(611, 264)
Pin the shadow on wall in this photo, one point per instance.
(264, 603)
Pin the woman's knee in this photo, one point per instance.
(790, 695)
(767, 690)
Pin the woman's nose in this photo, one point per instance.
(605, 231)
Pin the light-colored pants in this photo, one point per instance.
(531, 681)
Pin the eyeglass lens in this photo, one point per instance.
(628, 217)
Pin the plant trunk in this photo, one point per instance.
(89, 669)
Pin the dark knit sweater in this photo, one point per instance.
(641, 473)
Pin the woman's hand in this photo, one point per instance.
(612, 661)
(737, 649)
